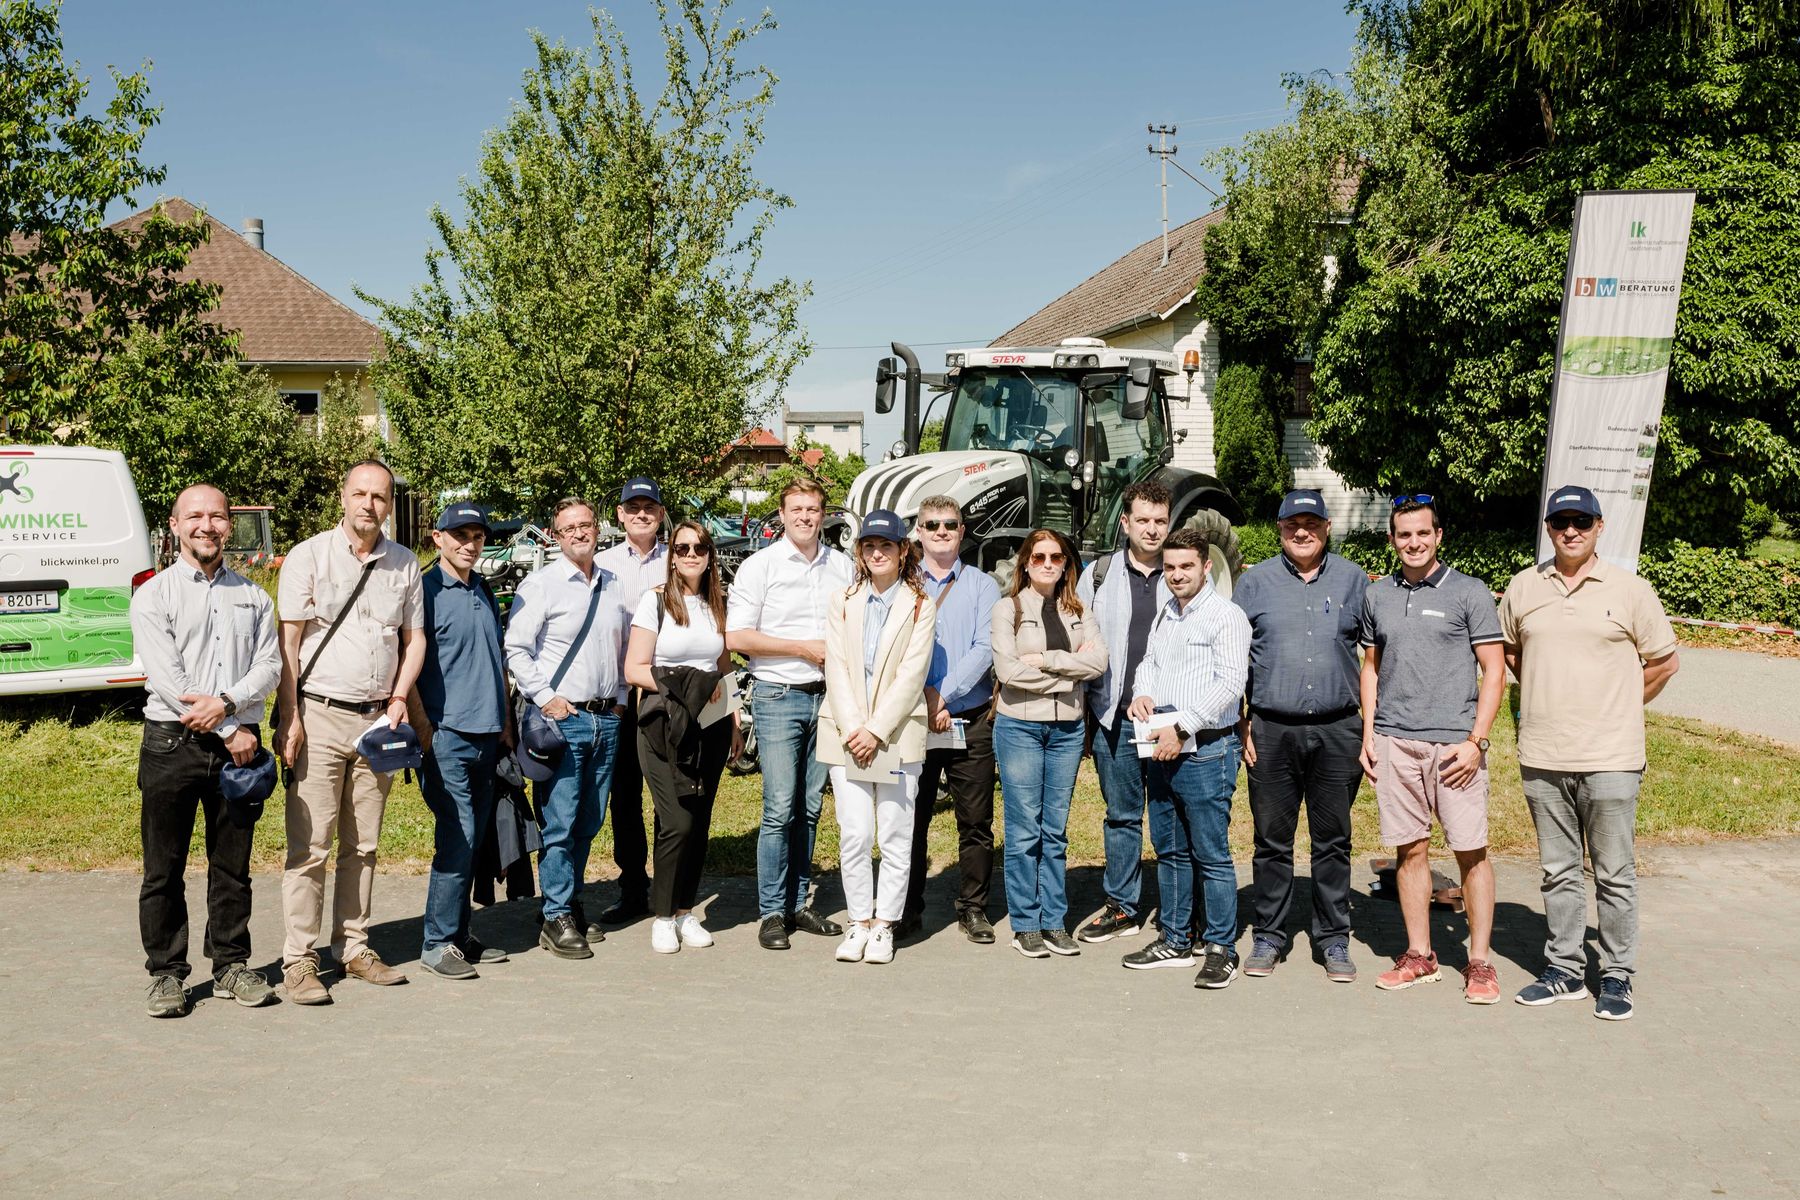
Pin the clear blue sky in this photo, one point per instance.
(953, 166)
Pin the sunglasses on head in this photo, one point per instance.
(1421, 498)
(933, 524)
(689, 550)
(1055, 558)
(1562, 521)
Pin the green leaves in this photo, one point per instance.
(1247, 437)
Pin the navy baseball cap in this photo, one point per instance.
(390, 749)
(459, 515)
(249, 785)
(882, 523)
(641, 488)
(1302, 502)
(1571, 499)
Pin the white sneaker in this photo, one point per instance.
(663, 937)
(693, 933)
(856, 940)
(881, 945)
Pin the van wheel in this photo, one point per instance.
(1225, 558)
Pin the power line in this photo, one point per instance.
(885, 345)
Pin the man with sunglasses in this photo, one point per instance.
(641, 563)
(1426, 630)
(567, 612)
(958, 686)
(1591, 646)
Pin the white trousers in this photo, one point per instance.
(863, 809)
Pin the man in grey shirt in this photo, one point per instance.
(206, 637)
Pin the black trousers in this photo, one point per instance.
(178, 773)
(1315, 765)
(630, 846)
(683, 823)
(971, 774)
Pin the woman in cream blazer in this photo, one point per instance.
(872, 727)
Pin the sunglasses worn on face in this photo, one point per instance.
(1055, 558)
(690, 550)
(1421, 498)
(1562, 521)
(932, 526)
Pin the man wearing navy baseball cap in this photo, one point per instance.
(464, 726)
(1590, 645)
(641, 562)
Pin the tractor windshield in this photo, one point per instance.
(1032, 412)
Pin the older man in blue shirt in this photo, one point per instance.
(1303, 738)
(957, 689)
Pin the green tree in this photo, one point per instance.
(931, 437)
(835, 471)
(1247, 419)
(600, 312)
(73, 292)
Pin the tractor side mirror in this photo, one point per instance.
(1137, 390)
(884, 385)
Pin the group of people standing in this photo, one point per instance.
(892, 670)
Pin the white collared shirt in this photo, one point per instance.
(203, 637)
(780, 592)
(547, 613)
(1198, 661)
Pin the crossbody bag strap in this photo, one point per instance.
(343, 614)
(580, 637)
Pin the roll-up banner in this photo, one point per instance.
(1612, 356)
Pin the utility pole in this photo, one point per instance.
(1163, 151)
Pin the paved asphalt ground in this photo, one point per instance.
(957, 1070)
(1757, 693)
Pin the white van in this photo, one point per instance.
(73, 546)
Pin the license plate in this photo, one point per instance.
(29, 602)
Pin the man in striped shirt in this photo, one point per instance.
(1191, 687)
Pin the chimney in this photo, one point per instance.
(253, 231)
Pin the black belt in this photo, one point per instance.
(971, 715)
(814, 688)
(181, 733)
(1208, 736)
(600, 707)
(1306, 718)
(362, 707)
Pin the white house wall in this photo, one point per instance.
(1349, 510)
(1190, 400)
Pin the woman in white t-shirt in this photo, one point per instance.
(677, 660)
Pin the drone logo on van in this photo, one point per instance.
(11, 485)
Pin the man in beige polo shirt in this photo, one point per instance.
(333, 687)
(1590, 645)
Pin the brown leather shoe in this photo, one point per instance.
(303, 983)
(367, 966)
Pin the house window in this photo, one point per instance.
(305, 404)
(1300, 404)
(840, 429)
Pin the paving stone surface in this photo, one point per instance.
(957, 1070)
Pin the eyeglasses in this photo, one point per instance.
(1421, 498)
(690, 550)
(932, 526)
(1562, 521)
(1055, 558)
(580, 527)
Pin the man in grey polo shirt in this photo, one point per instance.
(1303, 735)
(1425, 629)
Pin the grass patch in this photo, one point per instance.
(68, 798)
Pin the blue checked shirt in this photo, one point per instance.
(1198, 661)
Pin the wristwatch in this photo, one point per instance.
(230, 705)
(1481, 744)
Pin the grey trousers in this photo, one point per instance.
(1597, 809)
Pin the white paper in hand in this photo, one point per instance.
(954, 738)
(1144, 734)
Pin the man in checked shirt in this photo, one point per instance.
(1194, 671)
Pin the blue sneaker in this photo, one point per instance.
(1614, 1001)
(1338, 967)
(1551, 986)
(1265, 952)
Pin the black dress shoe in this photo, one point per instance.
(561, 936)
(975, 926)
(627, 910)
(589, 930)
(773, 934)
(907, 927)
(809, 921)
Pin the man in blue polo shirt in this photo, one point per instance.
(462, 692)
(958, 686)
(1303, 738)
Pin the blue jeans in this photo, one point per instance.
(1037, 761)
(1190, 824)
(1122, 784)
(787, 734)
(458, 783)
(573, 804)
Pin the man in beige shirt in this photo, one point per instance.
(1590, 645)
(334, 685)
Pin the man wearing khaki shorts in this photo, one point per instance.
(1425, 630)
(354, 676)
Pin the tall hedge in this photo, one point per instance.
(1247, 437)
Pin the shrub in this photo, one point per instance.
(1492, 556)
(1247, 438)
(1258, 540)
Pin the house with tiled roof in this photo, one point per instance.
(1144, 301)
(288, 326)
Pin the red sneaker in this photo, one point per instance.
(1410, 968)
(1481, 984)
